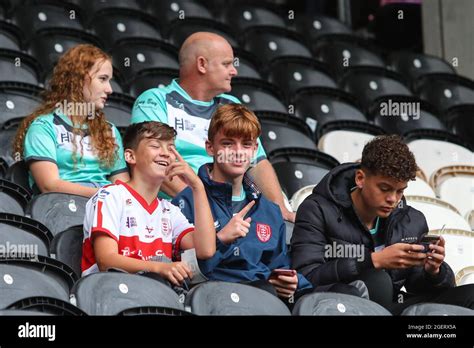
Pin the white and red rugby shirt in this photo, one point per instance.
(143, 231)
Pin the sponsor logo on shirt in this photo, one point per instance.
(103, 194)
(149, 229)
(264, 232)
(186, 125)
(131, 222)
(128, 202)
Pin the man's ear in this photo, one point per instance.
(209, 148)
(360, 178)
(129, 156)
(201, 64)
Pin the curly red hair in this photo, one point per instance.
(66, 84)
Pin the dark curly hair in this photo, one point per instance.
(388, 155)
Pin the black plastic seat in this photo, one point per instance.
(48, 45)
(345, 52)
(335, 304)
(18, 173)
(52, 268)
(223, 298)
(113, 25)
(3, 166)
(293, 73)
(154, 311)
(413, 65)
(19, 282)
(151, 78)
(46, 305)
(445, 90)
(17, 100)
(118, 109)
(247, 64)
(13, 198)
(370, 83)
(67, 247)
(297, 168)
(281, 130)
(402, 115)
(247, 14)
(134, 55)
(92, 8)
(20, 230)
(7, 136)
(58, 211)
(258, 95)
(34, 17)
(168, 11)
(29, 71)
(317, 26)
(178, 31)
(109, 293)
(436, 309)
(460, 120)
(273, 42)
(318, 106)
(10, 36)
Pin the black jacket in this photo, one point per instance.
(327, 218)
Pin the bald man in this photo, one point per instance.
(188, 103)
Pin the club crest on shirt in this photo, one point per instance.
(264, 232)
(128, 202)
(165, 227)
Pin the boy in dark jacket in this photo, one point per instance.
(250, 229)
(356, 226)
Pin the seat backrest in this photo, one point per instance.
(67, 247)
(58, 211)
(14, 198)
(47, 305)
(29, 71)
(18, 173)
(300, 195)
(345, 146)
(337, 304)
(436, 309)
(18, 100)
(223, 298)
(465, 276)
(118, 109)
(151, 78)
(168, 11)
(258, 95)
(317, 26)
(108, 293)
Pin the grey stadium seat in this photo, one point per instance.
(436, 309)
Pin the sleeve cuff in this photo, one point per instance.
(177, 244)
(96, 230)
(39, 158)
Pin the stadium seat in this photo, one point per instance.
(151, 78)
(445, 90)
(413, 65)
(118, 109)
(345, 52)
(19, 282)
(436, 309)
(243, 15)
(401, 115)
(335, 304)
(319, 106)
(113, 25)
(21, 313)
(131, 56)
(34, 17)
(318, 26)
(432, 153)
(460, 121)
(293, 73)
(465, 276)
(247, 64)
(154, 311)
(48, 45)
(369, 84)
(223, 298)
(470, 218)
(109, 293)
(419, 187)
(46, 305)
(3, 167)
(300, 195)
(19, 67)
(18, 173)
(13, 198)
(92, 8)
(273, 42)
(18, 100)
(178, 31)
(297, 168)
(168, 11)
(289, 226)
(438, 213)
(281, 130)
(10, 36)
(58, 211)
(20, 230)
(67, 247)
(7, 136)
(258, 95)
(455, 185)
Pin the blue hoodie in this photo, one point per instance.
(254, 256)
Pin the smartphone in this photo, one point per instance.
(426, 240)
(282, 271)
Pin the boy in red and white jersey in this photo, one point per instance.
(127, 227)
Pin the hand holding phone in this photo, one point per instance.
(426, 240)
(282, 271)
